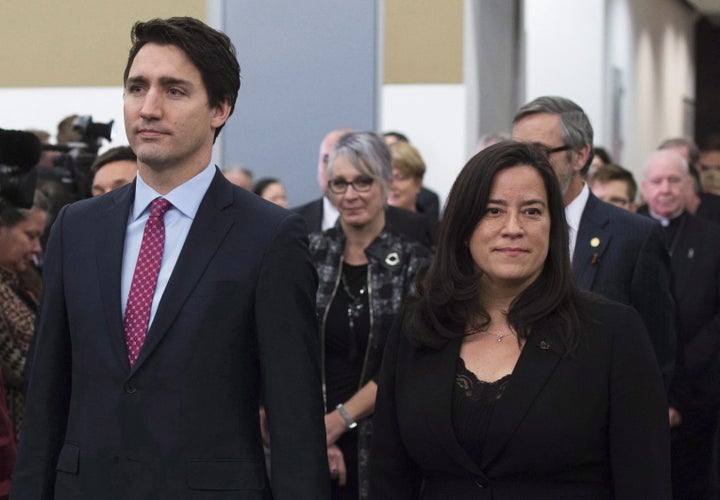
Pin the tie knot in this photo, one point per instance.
(158, 207)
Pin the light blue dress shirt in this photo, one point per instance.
(185, 201)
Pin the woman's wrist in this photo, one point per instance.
(350, 423)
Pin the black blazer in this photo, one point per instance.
(415, 226)
(593, 425)
(238, 312)
(624, 257)
(696, 287)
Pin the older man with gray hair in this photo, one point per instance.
(695, 254)
(614, 253)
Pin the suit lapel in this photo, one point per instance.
(437, 371)
(592, 240)
(536, 364)
(207, 231)
(109, 244)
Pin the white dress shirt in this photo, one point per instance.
(185, 201)
(573, 214)
(330, 214)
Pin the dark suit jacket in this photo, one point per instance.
(238, 312)
(418, 227)
(591, 425)
(428, 203)
(696, 287)
(624, 257)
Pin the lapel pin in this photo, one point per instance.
(691, 253)
(392, 259)
(595, 258)
(544, 345)
(595, 242)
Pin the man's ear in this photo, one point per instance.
(220, 114)
(583, 157)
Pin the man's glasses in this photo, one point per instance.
(360, 185)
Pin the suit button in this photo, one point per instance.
(481, 482)
(130, 388)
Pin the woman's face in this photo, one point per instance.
(21, 242)
(356, 208)
(404, 190)
(510, 242)
(275, 193)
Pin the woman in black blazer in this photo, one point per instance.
(500, 379)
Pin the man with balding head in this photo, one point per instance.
(614, 253)
(694, 245)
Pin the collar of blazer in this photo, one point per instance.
(537, 362)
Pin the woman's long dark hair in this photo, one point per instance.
(447, 299)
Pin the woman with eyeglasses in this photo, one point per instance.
(365, 270)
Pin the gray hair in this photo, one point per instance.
(693, 151)
(577, 132)
(670, 155)
(368, 153)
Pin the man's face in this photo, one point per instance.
(168, 120)
(326, 146)
(113, 175)
(545, 129)
(665, 184)
(615, 192)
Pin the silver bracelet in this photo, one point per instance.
(349, 422)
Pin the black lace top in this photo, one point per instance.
(472, 407)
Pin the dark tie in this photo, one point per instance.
(142, 288)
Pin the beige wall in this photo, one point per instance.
(75, 42)
(423, 41)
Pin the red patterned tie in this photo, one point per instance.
(142, 288)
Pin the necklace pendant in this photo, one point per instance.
(500, 337)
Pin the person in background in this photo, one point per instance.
(600, 157)
(500, 378)
(408, 169)
(694, 396)
(321, 214)
(365, 271)
(239, 175)
(427, 200)
(487, 140)
(113, 169)
(615, 185)
(271, 189)
(613, 252)
(8, 448)
(20, 233)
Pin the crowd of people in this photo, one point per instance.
(553, 332)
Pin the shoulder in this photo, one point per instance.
(620, 219)
(608, 320)
(308, 207)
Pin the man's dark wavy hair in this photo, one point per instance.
(210, 50)
(447, 300)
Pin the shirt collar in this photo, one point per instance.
(186, 197)
(665, 221)
(574, 210)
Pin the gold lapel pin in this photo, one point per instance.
(595, 242)
(544, 345)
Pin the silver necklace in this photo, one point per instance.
(498, 336)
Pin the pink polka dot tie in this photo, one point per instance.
(142, 288)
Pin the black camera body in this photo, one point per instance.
(19, 153)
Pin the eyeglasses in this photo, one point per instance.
(360, 185)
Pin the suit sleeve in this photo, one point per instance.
(289, 351)
(393, 474)
(650, 295)
(639, 430)
(47, 402)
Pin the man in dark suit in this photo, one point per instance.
(160, 326)
(615, 253)
(321, 214)
(695, 393)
